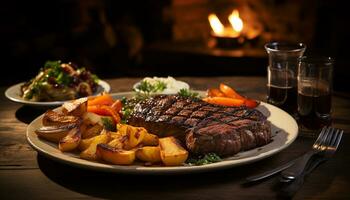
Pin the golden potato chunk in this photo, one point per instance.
(134, 135)
(90, 152)
(115, 155)
(171, 152)
(71, 140)
(75, 107)
(150, 140)
(89, 131)
(149, 154)
(85, 143)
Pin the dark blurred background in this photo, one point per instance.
(165, 37)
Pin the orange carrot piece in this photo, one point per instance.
(104, 99)
(112, 113)
(97, 109)
(105, 111)
(214, 92)
(117, 106)
(224, 101)
(229, 92)
(251, 103)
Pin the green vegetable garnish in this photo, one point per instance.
(58, 81)
(187, 93)
(108, 124)
(203, 160)
(56, 64)
(147, 87)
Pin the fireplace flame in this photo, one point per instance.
(216, 25)
(219, 29)
(235, 21)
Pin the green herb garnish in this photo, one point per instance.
(203, 160)
(56, 64)
(148, 87)
(187, 93)
(108, 124)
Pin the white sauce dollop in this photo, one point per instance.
(172, 85)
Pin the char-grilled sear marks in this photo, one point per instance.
(203, 127)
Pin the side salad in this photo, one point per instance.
(58, 81)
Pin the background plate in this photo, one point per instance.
(13, 93)
(284, 130)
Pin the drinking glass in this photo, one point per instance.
(315, 79)
(282, 73)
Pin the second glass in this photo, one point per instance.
(315, 92)
(282, 73)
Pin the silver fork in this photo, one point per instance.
(292, 188)
(325, 139)
(321, 138)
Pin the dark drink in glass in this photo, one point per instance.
(283, 97)
(314, 94)
(282, 74)
(314, 107)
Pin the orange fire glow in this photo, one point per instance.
(232, 31)
(235, 21)
(216, 25)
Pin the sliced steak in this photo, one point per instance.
(203, 127)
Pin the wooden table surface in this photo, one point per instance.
(26, 175)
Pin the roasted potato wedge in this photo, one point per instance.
(116, 143)
(91, 130)
(134, 135)
(115, 155)
(85, 143)
(71, 140)
(149, 154)
(90, 152)
(92, 118)
(171, 152)
(54, 133)
(150, 140)
(76, 107)
(52, 118)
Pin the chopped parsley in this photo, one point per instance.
(108, 124)
(148, 87)
(203, 160)
(187, 93)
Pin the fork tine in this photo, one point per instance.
(339, 139)
(334, 139)
(320, 136)
(327, 141)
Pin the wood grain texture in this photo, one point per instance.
(25, 174)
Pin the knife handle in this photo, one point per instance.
(291, 189)
(298, 167)
(269, 172)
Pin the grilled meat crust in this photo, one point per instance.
(203, 127)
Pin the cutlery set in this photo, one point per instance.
(293, 173)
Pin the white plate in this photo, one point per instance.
(284, 130)
(14, 93)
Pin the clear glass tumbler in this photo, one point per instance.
(315, 78)
(282, 73)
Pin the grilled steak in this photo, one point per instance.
(203, 127)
